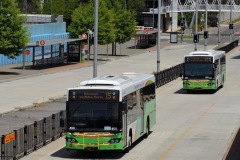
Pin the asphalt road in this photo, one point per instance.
(189, 126)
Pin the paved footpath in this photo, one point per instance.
(23, 91)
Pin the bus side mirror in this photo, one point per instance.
(62, 122)
(215, 65)
(124, 106)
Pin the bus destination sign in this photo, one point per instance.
(94, 95)
(198, 59)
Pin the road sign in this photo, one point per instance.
(27, 51)
(84, 36)
(42, 43)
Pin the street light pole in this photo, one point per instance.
(153, 11)
(196, 23)
(88, 55)
(51, 7)
(26, 3)
(231, 25)
(206, 14)
(95, 38)
(158, 37)
(125, 5)
(219, 20)
(172, 17)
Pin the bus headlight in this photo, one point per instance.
(71, 140)
(210, 84)
(114, 140)
(186, 83)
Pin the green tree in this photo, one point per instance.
(61, 7)
(13, 36)
(135, 5)
(115, 25)
(124, 21)
(29, 6)
(83, 19)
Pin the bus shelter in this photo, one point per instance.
(145, 38)
(55, 51)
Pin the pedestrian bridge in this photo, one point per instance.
(202, 6)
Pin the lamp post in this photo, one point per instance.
(172, 17)
(231, 25)
(51, 7)
(196, 24)
(26, 3)
(159, 34)
(95, 38)
(206, 13)
(125, 5)
(219, 20)
(153, 11)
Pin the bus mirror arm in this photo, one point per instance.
(124, 105)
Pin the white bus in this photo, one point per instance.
(204, 70)
(111, 112)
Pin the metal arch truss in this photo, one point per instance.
(203, 5)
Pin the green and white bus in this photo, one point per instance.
(111, 112)
(204, 70)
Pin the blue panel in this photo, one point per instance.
(39, 32)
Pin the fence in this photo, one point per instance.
(32, 136)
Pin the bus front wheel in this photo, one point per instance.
(147, 129)
(129, 144)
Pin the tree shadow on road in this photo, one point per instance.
(8, 73)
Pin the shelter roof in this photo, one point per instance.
(53, 41)
(143, 32)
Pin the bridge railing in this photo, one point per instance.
(202, 7)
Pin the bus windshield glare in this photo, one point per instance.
(93, 116)
(200, 70)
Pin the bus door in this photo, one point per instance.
(124, 123)
(218, 72)
(140, 108)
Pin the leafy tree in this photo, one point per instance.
(29, 6)
(115, 25)
(13, 36)
(61, 7)
(83, 19)
(135, 5)
(124, 21)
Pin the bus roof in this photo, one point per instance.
(205, 53)
(125, 83)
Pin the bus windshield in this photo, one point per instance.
(93, 116)
(199, 70)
